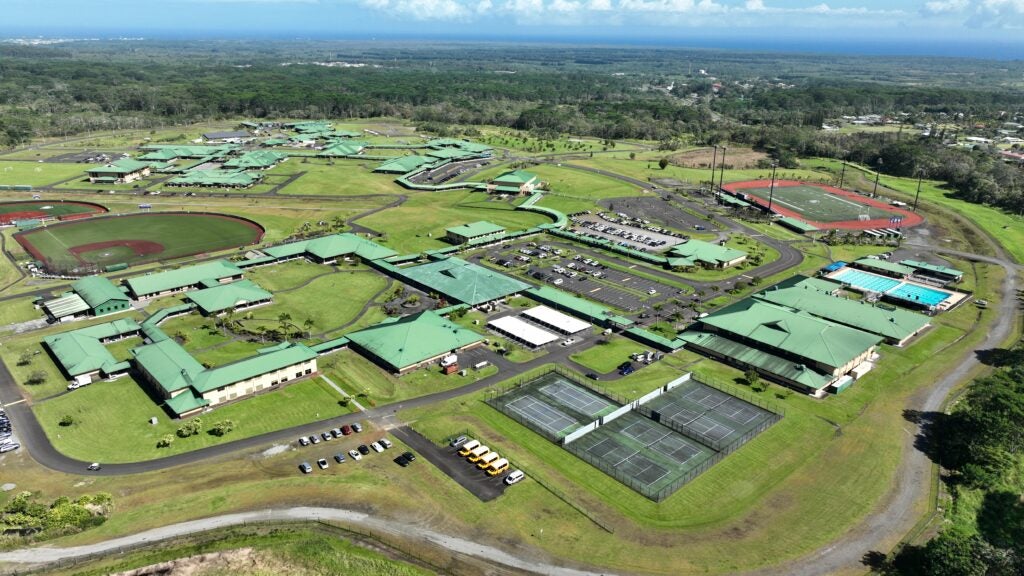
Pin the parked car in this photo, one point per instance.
(376, 447)
(9, 447)
(339, 457)
(402, 461)
(322, 463)
(336, 432)
(456, 442)
(314, 439)
(357, 427)
(409, 456)
(303, 441)
(305, 468)
(514, 476)
(355, 455)
(346, 429)
(385, 443)
(326, 436)
(363, 449)
(593, 376)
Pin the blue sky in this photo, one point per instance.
(950, 22)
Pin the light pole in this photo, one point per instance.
(878, 172)
(771, 192)
(721, 177)
(714, 161)
(920, 174)
(842, 173)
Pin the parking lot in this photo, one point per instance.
(625, 232)
(447, 460)
(660, 211)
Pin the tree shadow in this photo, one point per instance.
(928, 425)
(1001, 520)
(1001, 357)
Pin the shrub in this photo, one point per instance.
(67, 420)
(165, 442)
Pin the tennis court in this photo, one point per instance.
(821, 205)
(553, 405)
(706, 414)
(641, 453)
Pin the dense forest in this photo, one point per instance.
(776, 103)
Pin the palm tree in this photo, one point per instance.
(285, 320)
(308, 324)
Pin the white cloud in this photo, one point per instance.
(945, 6)
(1008, 14)
(422, 9)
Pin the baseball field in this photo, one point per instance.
(13, 211)
(83, 244)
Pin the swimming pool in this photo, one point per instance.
(866, 281)
(922, 294)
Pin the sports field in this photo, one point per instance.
(12, 211)
(823, 206)
(132, 239)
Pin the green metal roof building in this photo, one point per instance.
(329, 248)
(797, 225)
(206, 275)
(234, 296)
(256, 160)
(406, 343)
(216, 179)
(81, 355)
(475, 232)
(404, 164)
(165, 152)
(462, 282)
(188, 386)
(795, 347)
(884, 267)
(896, 325)
(94, 295)
(706, 254)
(514, 182)
(118, 172)
(944, 273)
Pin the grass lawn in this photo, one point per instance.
(604, 358)
(286, 275)
(345, 178)
(642, 170)
(582, 185)
(228, 352)
(199, 331)
(20, 310)
(751, 247)
(364, 379)
(38, 173)
(419, 223)
(330, 301)
(112, 419)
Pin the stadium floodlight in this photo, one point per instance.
(771, 192)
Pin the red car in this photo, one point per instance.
(346, 429)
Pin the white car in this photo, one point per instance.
(558, 282)
(385, 443)
(652, 291)
(569, 342)
(377, 447)
(514, 476)
(355, 454)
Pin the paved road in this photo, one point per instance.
(519, 562)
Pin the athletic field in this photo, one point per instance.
(823, 206)
(36, 209)
(83, 245)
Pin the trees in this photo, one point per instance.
(663, 163)
(165, 441)
(223, 427)
(36, 377)
(190, 427)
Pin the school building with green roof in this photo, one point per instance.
(474, 233)
(792, 346)
(81, 354)
(883, 267)
(205, 275)
(404, 164)
(239, 295)
(216, 179)
(700, 253)
(896, 325)
(256, 160)
(327, 249)
(462, 282)
(942, 273)
(514, 182)
(403, 344)
(92, 295)
(120, 171)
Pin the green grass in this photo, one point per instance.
(178, 234)
(275, 549)
(419, 224)
(330, 301)
(364, 379)
(38, 173)
(19, 310)
(642, 170)
(345, 178)
(286, 275)
(604, 358)
(582, 185)
(816, 204)
(112, 419)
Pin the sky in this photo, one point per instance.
(946, 27)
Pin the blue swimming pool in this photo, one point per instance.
(866, 281)
(922, 294)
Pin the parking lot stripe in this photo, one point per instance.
(15, 402)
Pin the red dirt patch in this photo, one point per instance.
(10, 217)
(909, 218)
(140, 247)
